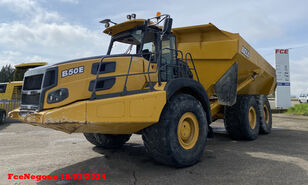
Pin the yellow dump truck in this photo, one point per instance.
(166, 84)
(10, 92)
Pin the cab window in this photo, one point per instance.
(127, 42)
(2, 88)
(168, 59)
(168, 49)
(149, 46)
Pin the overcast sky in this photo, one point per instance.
(59, 30)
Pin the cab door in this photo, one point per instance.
(168, 58)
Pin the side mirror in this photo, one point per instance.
(167, 25)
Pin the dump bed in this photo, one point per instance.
(214, 51)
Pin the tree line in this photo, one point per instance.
(7, 73)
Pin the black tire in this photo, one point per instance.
(162, 140)
(2, 117)
(265, 115)
(107, 141)
(237, 118)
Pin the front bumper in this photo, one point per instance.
(118, 115)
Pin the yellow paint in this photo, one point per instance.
(266, 114)
(78, 85)
(252, 117)
(10, 99)
(30, 65)
(188, 130)
(9, 92)
(214, 51)
(118, 115)
(143, 108)
(113, 30)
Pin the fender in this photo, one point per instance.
(192, 87)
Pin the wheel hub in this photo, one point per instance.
(188, 130)
(266, 114)
(252, 117)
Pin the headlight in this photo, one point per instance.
(57, 95)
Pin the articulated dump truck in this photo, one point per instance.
(10, 92)
(167, 84)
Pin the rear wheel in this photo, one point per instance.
(179, 138)
(107, 141)
(265, 115)
(242, 120)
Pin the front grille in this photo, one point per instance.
(30, 98)
(33, 82)
(35, 85)
(33, 99)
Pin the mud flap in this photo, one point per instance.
(225, 88)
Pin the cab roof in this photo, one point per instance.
(30, 65)
(127, 25)
(12, 82)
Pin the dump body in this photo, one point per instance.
(214, 51)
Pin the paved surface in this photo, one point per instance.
(278, 158)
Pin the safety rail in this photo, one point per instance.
(158, 70)
(124, 92)
(177, 65)
(193, 63)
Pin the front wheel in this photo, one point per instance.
(107, 141)
(179, 138)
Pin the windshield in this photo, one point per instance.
(2, 88)
(127, 42)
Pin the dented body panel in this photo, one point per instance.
(118, 115)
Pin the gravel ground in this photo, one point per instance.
(278, 158)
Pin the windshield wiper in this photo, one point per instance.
(129, 49)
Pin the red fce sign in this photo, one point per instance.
(282, 51)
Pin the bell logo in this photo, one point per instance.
(282, 51)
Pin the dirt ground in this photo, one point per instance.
(278, 158)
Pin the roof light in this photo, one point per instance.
(107, 25)
(129, 17)
(134, 16)
(158, 14)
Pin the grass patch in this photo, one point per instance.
(301, 109)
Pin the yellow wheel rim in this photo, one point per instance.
(252, 117)
(266, 114)
(188, 130)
